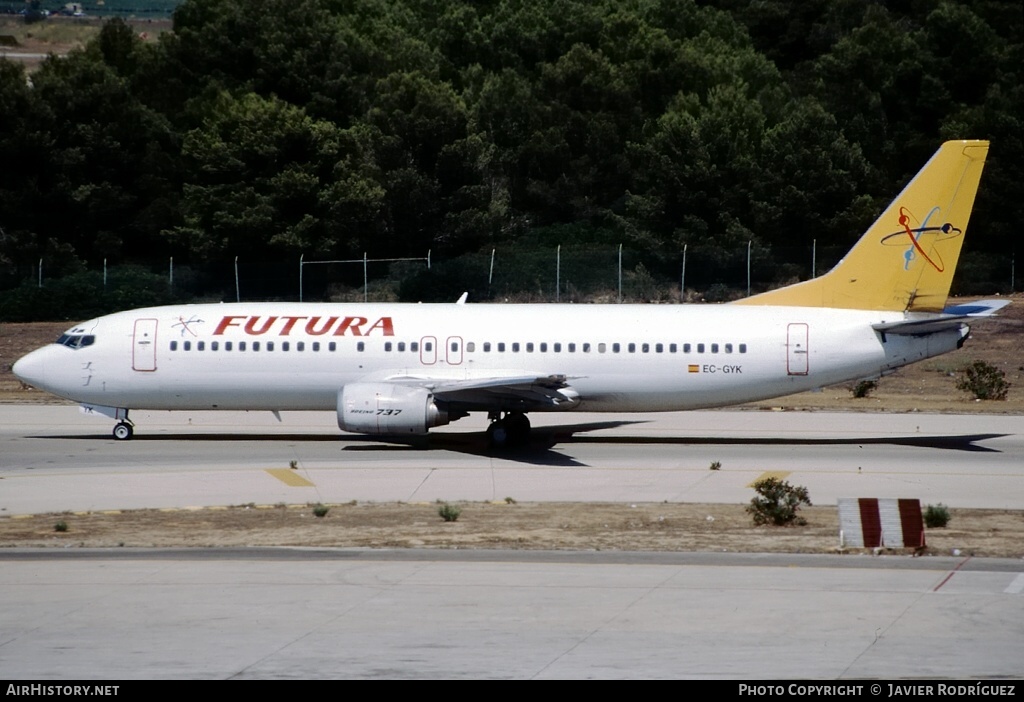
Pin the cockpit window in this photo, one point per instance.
(76, 341)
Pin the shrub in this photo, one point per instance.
(320, 510)
(61, 526)
(777, 502)
(864, 388)
(715, 465)
(449, 513)
(984, 381)
(936, 516)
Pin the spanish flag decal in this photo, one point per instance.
(693, 368)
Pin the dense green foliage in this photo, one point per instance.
(936, 516)
(777, 503)
(271, 129)
(984, 381)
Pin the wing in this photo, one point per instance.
(521, 393)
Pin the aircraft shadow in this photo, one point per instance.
(543, 440)
(537, 452)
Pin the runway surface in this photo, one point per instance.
(55, 459)
(300, 614)
(306, 615)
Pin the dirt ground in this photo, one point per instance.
(925, 387)
(509, 526)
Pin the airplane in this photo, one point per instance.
(400, 369)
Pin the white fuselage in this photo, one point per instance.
(618, 358)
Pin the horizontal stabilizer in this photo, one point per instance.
(951, 318)
(921, 327)
(981, 308)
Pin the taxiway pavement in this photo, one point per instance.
(52, 458)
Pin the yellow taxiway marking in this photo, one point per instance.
(289, 477)
(777, 474)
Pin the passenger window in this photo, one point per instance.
(284, 346)
(414, 346)
(387, 346)
(300, 346)
(214, 346)
(455, 346)
(255, 346)
(200, 346)
(658, 348)
(672, 348)
(188, 345)
(174, 346)
(270, 346)
(602, 347)
(529, 347)
(332, 346)
(515, 347)
(646, 348)
(586, 348)
(227, 345)
(241, 346)
(428, 346)
(501, 347)
(316, 345)
(743, 348)
(487, 347)
(572, 348)
(615, 348)
(700, 348)
(632, 348)
(401, 346)
(361, 346)
(714, 348)
(470, 347)
(543, 347)
(728, 348)
(686, 348)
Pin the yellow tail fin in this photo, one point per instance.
(906, 259)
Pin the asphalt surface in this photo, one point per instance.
(300, 613)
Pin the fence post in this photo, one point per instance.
(682, 278)
(40, 273)
(170, 275)
(366, 281)
(620, 274)
(238, 290)
(558, 273)
(301, 256)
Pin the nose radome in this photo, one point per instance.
(31, 369)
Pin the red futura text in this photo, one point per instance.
(258, 325)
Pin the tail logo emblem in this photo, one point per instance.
(943, 232)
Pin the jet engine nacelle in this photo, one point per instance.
(387, 408)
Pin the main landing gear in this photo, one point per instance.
(511, 430)
(124, 430)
